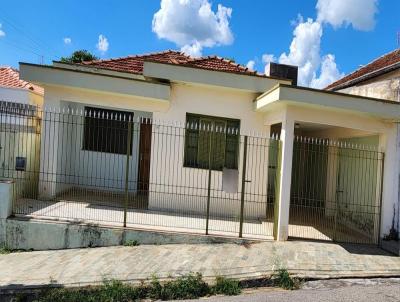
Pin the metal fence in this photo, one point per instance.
(110, 167)
(336, 190)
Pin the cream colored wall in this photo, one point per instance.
(176, 182)
(386, 86)
(24, 141)
(21, 96)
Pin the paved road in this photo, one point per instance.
(328, 291)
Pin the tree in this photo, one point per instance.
(79, 56)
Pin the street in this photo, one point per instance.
(374, 290)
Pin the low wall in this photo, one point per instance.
(33, 234)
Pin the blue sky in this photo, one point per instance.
(37, 28)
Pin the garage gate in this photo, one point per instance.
(336, 190)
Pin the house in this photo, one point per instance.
(20, 98)
(15, 90)
(169, 142)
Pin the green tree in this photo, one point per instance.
(78, 57)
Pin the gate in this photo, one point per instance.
(336, 190)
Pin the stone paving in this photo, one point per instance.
(90, 266)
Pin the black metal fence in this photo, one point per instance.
(93, 165)
(336, 190)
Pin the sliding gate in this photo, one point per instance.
(336, 190)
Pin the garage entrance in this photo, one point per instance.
(336, 189)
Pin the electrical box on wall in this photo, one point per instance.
(20, 163)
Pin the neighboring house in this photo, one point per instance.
(21, 98)
(15, 90)
(379, 78)
(178, 139)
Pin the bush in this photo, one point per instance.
(131, 243)
(190, 286)
(108, 292)
(283, 279)
(4, 250)
(224, 286)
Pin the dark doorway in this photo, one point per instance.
(144, 157)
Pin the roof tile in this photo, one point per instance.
(9, 77)
(380, 63)
(134, 64)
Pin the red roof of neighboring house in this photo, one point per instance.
(9, 78)
(134, 64)
(381, 65)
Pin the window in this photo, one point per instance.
(106, 130)
(221, 133)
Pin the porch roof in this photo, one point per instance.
(309, 97)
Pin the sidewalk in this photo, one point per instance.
(91, 266)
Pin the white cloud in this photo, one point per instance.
(250, 64)
(192, 24)
(2, 33)
(67, 41)
(268, 58)
(305, 50)
(193, 50)
(102, 45)
(329, 73)
(359, 13)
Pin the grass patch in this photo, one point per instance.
(282, 279)
(109, 291)
(131, 243)
(225, 286)
(190, 286)
(5, 250)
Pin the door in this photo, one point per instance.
(144, 157)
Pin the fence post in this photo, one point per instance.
(277, 188)
(243, 186)
(128, 152)
(209, 179)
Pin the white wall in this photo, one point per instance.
(178, 188)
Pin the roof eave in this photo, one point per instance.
(365, 77)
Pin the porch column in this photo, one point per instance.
(285, 178)
(389, 142)
(49, 149)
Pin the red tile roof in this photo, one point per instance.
(9, 78)
(377, 67)
(134, 64)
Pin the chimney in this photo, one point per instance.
(283, 71)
